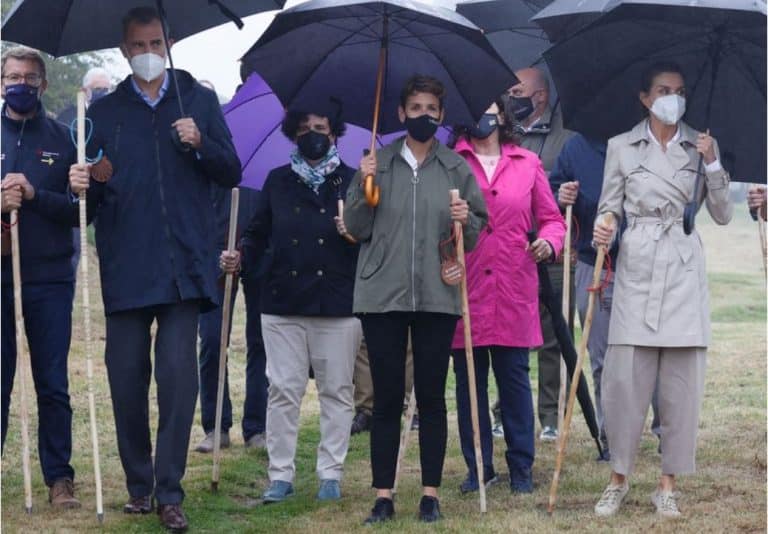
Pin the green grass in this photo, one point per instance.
(727, 494)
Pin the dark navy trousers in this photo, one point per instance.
(255, 405)
(510, 367)
(48, 325)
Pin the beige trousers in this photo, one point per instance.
(364, 383)
(292, 344)
(629, 377)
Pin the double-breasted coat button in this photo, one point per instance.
(321, 240)
(297, 209)
(295, 242)
(294, 273)
(320, 272)
(322, 210)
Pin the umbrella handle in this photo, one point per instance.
(372, 191)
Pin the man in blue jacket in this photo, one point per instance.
(36, 155)
(577, 180)
(156, 244)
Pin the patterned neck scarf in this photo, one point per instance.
(314, 177)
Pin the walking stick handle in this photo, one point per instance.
(226, 311)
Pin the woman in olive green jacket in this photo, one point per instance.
(398, 286)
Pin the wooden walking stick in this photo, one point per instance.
(601, 252)
(85, 284)
(566, 314)
(763, 248)
(226, 311)
(22, 357)
(405, 435)
(459, 233)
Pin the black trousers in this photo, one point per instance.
(130, 369)
(387, 337)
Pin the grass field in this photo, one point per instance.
(728, 493)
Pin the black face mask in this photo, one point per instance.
(520, 107)
(313, 145)
(487, 124)
(421, 128)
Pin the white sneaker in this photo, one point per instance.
(610, 500)
(666, 503)
(548, 433)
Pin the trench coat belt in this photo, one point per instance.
(661, 260)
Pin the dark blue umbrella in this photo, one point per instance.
(362, 53)
(721, 46)
(337, 48)
(254, 116)
(507, 25)
(70, 26)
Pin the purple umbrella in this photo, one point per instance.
(254, 115)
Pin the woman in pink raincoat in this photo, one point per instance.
(502, 283)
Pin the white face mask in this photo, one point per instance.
(148, 66)
(669, 109)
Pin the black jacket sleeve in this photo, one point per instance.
(218, 157)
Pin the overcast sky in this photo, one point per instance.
(213, 55)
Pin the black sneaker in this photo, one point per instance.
(429, 509)
(361, 423)
(521, 481)
(470, 483)
(383, 510)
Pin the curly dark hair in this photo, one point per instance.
(509, 132)
(294, 117)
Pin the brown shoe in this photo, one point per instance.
(62, 494)
(138, 505)
(172, 517)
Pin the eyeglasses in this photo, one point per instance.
(33, 79)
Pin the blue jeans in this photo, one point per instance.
(510, 367)
(255, 405)
(48, 324)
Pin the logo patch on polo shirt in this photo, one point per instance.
(47, 156)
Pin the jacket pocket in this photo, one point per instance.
(375, 258)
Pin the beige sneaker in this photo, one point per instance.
(665, 503)
(62, 494)
(206, 444)
(610, 501)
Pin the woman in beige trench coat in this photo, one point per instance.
(660, 319)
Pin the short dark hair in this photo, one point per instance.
(660, 67)
(143, 15)
(420, 83)
(294, 118)
(509, 132)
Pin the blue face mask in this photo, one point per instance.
(21, 97)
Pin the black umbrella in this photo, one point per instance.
(552, 300)
(67, 27)
(508, 26)
(721, 46)
(562, 18)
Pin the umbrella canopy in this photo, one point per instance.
(71, 26)
(332, 47)
(254, 116)
(562, 18)
(721, 47)
(508, 26)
